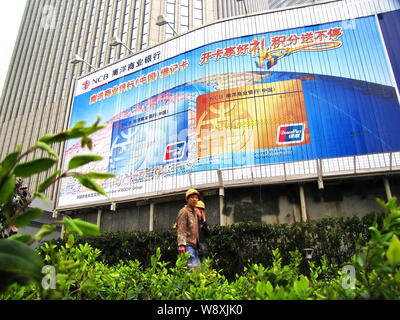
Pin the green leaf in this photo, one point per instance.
(394, 214)
(300, 287)
(45, 230)
(81, 227)
(77, 131)
(53, 138)
(44, 146)
(392, 203)
(71, 239)
(393, 252)
(7, 209)
(10, 160)
(81, 160)
(24, 238)
(70, 226)
(381, 202)
(40, 195)
(94, 127)
(99, 175)
(79, 124)
(375, 233)
(3, 173)
(26, 217)
(27, 169)
(7, 190)
(87, 142)
(18, 263)
(88, 183)
(96, 123)
(46, 183)
(87, 229)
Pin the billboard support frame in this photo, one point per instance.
(303, 204)
(390, 170)
(387, 188)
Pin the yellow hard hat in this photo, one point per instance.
(200, 204)
(191, 191)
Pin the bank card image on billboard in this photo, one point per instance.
(148, 140)
(250, 118)
(284, 96)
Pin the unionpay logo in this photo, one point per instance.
(175, 151)
(290, 133)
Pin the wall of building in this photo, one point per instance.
(281, 203)
(344, 198)
(274, 204)
(135, 216)
(131, 218)
(229, 8)
(40, 82)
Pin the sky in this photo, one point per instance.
(10, 20)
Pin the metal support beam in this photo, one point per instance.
(387, 189)
(99, 213)
(62, 231)
(303, 206)
(319, 171)
(222, 218)
(190, 180)
(220, 180)
(151, 218)
(113, 206)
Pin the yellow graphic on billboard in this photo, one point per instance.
(254, 117)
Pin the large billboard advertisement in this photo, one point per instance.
(315, 92)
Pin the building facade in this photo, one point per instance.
(225, 9)
(39, 92)
(39, 85)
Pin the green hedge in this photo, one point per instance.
(235, 247)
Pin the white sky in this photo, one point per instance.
(11, 13)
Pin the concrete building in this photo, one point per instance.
(39, 86)
(39, 89)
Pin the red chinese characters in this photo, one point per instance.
(254, 47)
(257, 47)
(278, 41)
(140, 81)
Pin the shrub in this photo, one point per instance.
(19, 263)
(80, 274)
(241, 244)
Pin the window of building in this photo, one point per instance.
(136, 14)
(197, 13)
(184, 16)
(115, 29)
(170, 17)
(146, 20)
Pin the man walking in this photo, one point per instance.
(188, 228)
